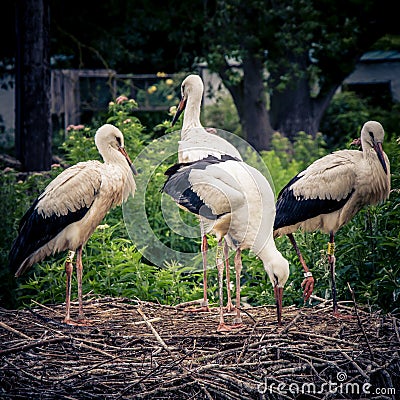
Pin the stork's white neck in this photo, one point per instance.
(113, 156)
(191, 118)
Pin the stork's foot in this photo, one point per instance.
(229, 307)
(338, 315)
(197, 309)
(237, 324)
(222, 327)
(308, 287)
(79, 322)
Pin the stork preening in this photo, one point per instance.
(68, 211)
(235, 202)
(197, 143)
(330, 192)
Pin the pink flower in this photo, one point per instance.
(75, 127)
(121, 99)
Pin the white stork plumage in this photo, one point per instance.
(66, 214)
(197, 143)
(331, 191)
(235, 202)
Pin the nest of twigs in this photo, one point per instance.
(141, 350)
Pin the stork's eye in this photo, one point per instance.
(118, 140)
(276, 279)
(371, 134)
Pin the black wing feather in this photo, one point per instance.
(179, 188)
(291, 210)
(35, 230)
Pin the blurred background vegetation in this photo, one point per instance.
(367, 248)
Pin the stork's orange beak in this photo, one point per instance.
(125, 154)
(379, 152)
(181, 107)
(278, 291)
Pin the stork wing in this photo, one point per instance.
(65, 200)
(73, 189)
(324, 187)
(204, 187)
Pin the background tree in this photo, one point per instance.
(299, 51)
(33, 132)
(294, 54)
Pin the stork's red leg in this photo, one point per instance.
(79, 269)
(238, 269)
(204, 248)
(222, 327)
(332, 262)
(68, 270)
(308, 282)
(229, 305)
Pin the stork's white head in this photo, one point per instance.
(277, 268)
(110, 143)
(192, 85)
(191, 91)
(372, 135)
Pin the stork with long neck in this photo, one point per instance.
(330, 192)
(235, 202)
(68, 211)
(195, 144)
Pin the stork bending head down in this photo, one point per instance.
(331, 191)
(66, 214)
(235, 202)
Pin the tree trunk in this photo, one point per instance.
(294, 109)
(250, 101)
(33, 136)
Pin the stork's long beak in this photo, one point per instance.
(278, 298)
(379, 152)
(125, 154)
(181, 107)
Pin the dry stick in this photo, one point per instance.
(188, 303)
(8, 328)
(359, 369)
(394, 321)
(359, 320)
(291, 323)
(155, 333)
(34, 344)
(47, 308)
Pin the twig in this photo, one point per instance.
(52, 310)
(394, 321)
(34, 344)
(359, 369)
(291, 323)
(359, 320)
(144, 322)
(188, 303)
(8, 328)
(155, 333)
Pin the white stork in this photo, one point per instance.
(235, 202)
(66, 214)
(197, 143)
(331, 191)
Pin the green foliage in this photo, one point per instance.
(17, 192)
(222, 115)
(286, 159)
